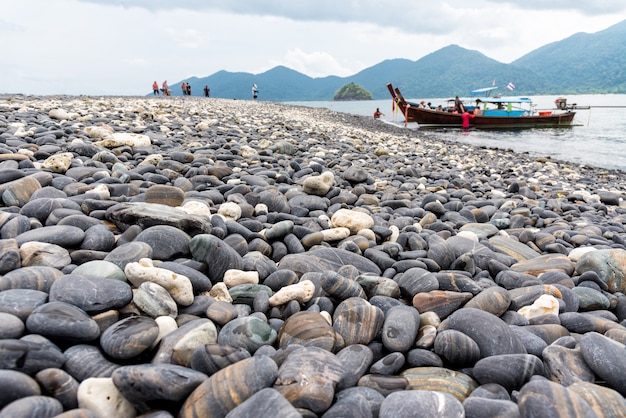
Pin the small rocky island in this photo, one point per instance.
(352, 91)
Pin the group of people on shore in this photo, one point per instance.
(185, 88)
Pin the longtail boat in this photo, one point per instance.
(487, 113)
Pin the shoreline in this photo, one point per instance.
(161, 249)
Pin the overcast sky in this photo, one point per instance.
(119, 47)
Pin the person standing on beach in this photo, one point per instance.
(165, 89)
(207, 91)
(255, 92)
(183, 87)
(155, 88)
(188, 87)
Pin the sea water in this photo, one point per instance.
(598, 138)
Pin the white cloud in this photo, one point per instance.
(313, 64)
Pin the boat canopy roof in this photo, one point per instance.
(506, 100)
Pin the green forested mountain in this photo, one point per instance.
(582, 63)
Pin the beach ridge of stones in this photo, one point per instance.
(187, 257)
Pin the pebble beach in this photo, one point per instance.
(192, 257)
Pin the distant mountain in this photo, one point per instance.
(582, 63)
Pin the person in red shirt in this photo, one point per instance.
(465, 117)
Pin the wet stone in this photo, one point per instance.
(16, 385)
(58, 384)
(90, 293)
(60, 320)
(21, 302)
(129, 337)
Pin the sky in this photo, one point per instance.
(119, 47)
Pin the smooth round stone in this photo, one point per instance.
(32, 406)
(400, 328)
(484, 408)
(491, 391)
(85, 361)
(441, 302)
(60, 320)
(146, 215)
(420, 404)
(323, 259)
(610, 266)
(92, 294)
(101, 268)
(591, 299)
(129, 337)
(167, 242)
(18, 192)
(419, 357)
(545, 263)
(440, 379)
(9, 256)
(100, 395)
(14, 227)
(357, 321)
(582, 323)
(66, 236)
(456, 348)
(356, 359)
(533, 343)
(245, 294)
(215, 253)
(210, 358)
(60, 385)
(279, 230)
(383, 384)
(230, 387)
(482, 230)
(44, 254)
(379, 286)
(268, 400)
(357, 401)
(165, 195)
(565, 365)
(307, 378)
(35, 278)
(221, 312)
(308, 329)
(129, 253)
(154, 300)
(511, 371)
(29, 356)
(606, 358)
(98, 238)
(495, 300)
(199, 281)
(144, 383)
(340, 287)
(21, 302)
(248, 332)
(11, 326)
(388, 365)
(543, 398)
(492, 335)
(603, 401)
(416, 280)
(280, 278)
(16, 385)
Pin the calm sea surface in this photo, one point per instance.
(598, 140)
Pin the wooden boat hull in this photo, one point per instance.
(442, 119)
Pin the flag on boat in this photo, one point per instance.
(510, 86)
